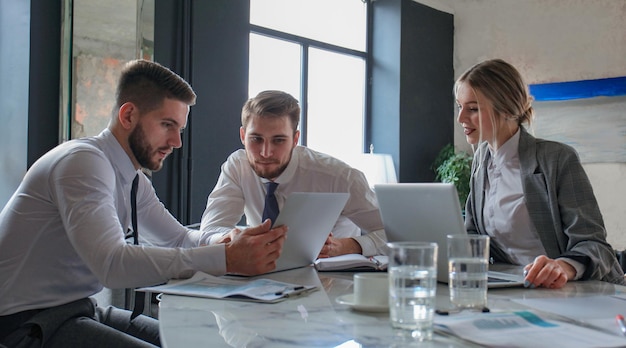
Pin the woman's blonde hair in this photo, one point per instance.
(503, 86)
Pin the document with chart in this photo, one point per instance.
(522, 329)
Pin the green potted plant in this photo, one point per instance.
(454, 167)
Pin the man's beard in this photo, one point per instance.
(269, 175)
(141, 150)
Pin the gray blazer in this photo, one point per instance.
(561, 204)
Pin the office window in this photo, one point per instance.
(316, 51)
(274, 64)
(337, 22)
(335, 103)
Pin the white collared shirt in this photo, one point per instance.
(240, 191)
(62, 232)
(506, 217)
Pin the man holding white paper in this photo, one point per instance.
(272, 156)
(63, 233)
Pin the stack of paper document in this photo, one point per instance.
(352, 262)
(522, 329)
(206, 285)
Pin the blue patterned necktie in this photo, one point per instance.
(271, 204)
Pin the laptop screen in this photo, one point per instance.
(425, 212)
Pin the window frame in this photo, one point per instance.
(306, 43)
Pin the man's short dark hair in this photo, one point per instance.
(146, 84)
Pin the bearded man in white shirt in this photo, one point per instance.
(62, 234)
(270, 134)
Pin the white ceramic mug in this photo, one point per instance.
(371, 289)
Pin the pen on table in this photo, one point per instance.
(620, 322)
(278, 293)
(375, 261)
(448, 312)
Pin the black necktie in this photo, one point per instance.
(271, 205)
(140, 296)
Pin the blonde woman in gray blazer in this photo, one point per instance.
(531, 196)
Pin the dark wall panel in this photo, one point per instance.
(412, 78)
(220, 77)
(427, 101)
(206, 42)
(45, 65)
(171, 48)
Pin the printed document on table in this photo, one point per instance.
(599, 311)
(522, 329)
(206, 285)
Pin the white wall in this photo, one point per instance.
(550, 41)
(14, 55)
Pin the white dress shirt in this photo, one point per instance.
(506, 216)
(239, 191)
(62, 232)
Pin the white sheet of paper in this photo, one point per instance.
(523, 329)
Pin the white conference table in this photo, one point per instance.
(317, 320)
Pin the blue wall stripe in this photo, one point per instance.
(609, 87)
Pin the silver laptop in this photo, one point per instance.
(311, 217)
(428, 212)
